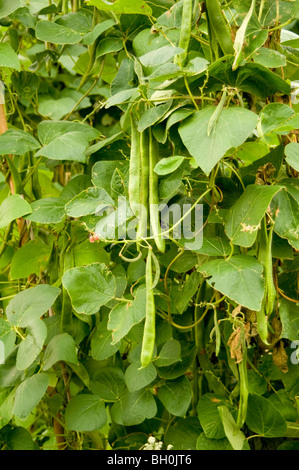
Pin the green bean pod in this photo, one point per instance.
(215, 116)
(149, 335)
(243, 378)
(154, 193)
(270, 287)
(185, 33)
(135, 168)
(144, 185)
(219, 26)
(265, 258)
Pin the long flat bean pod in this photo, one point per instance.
(135, 168)
(219, 26)
(185, 33)
(265, 257)
(243, 380)
(154, 193)
(148, 342)
(144, 184)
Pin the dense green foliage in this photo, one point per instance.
(106, 340)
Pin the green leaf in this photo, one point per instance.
(104, 143)
(49, 131)
(7, 397)
(209, 417)
(232, 432)
(285, 405)
(29, 393)
(109, 384)
(177, 369)
(31, 304)
(274, 115)
(121, 97)
(159, 56)
(152, 115)
(182, 433)
(263, 418)
(137, 377)
(186, 292)
(55, 108)
(70, 146)
(8, 6)
(8, 57)
(289, 317)
(108, 46)
(168, 165)
(31, 345)
(31, 258)
(25, 83)
(269, 58)
(17, 142)
(244, 217)
(233, 127)
(85, 412)
(175, 117)
(239, 278)
(90, 37)
(286, 216)
(292, 155)
(49, 210)
(204, 443)
(12, 208)
(123, 6)
(134, 408)
(169, 353)
(19, 438)
(214, 246)
(61, 348)
(176, 396)
(87, 202)
(56, 33)
(102, 346)
(125, 315)
(89, 253)
(89, 287)
(7, 336)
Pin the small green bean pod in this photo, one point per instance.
(148, 342)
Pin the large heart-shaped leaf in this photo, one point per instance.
(85, 412)
(239, 277)
(244, 217)
(264, 418)
(134, 408)
(56, 33)
(89, 287)
(70, 146)
(31, 304)
(232, 128)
